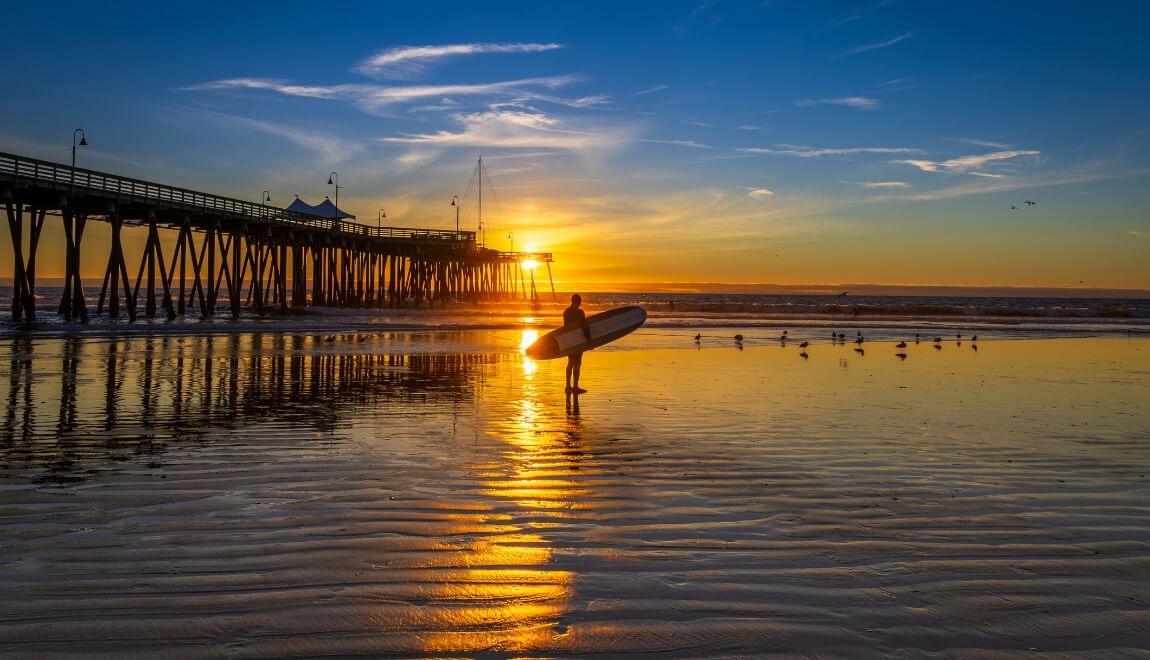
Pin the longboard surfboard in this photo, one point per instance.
(605, 327)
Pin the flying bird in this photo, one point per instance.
(1013, 207)
(843, 293)
(804, 344)
(1030, 203)
(738, 338)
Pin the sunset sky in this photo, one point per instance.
(779, 141)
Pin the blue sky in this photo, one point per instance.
(783, 141)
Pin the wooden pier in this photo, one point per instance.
(238, 254)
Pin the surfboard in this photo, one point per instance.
(605, 327)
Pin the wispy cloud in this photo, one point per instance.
(680, 143)
(371, 97)
(884, 185)
(983, 143)
(516, 129)
(818, 152)
(407, 61)
(330, 148)
(876, 46)
(760, 193)
(683, 25)
(748, 127)
(969, 163)
(1135, 232)
(861, 102)
(651, 90)
(986, 186)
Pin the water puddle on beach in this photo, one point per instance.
(392, 493)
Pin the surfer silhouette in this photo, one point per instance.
(575, 316)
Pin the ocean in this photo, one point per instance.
(757, 316)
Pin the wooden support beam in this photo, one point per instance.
(19, 276)
(210, 275)
(237, 279)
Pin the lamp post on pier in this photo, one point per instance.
(512, 239)
(333, 180)
(455, 198)
(379, 218)
(83, 143)
(265, 198)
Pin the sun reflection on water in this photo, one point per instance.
(528, 338)
(508, 596)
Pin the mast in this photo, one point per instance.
(479, 169)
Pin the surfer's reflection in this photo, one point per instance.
(572, 404)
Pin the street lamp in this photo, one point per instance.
(83, 143)
(379, 220)
(333, 180)
(265, 197)
(453, 199)
(512, 242)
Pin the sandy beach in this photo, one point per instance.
(435, 494)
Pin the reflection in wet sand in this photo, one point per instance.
(273, 495)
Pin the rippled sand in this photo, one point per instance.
(395, 494)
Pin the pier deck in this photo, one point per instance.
(225, 245)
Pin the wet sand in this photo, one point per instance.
(436, 494)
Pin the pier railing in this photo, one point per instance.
(80, 180)
(520, 257)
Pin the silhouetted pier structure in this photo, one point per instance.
(224, 246)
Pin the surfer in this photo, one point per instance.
(575, 316)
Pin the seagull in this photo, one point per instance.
(804, 344)
(738, 338)
(698, 337)
(958, 335)
(938, 340)
(1030, 203)
(974, 338)
(1013, 207)
(842, 336)
(916, 337)
(843, 293)
(901, 344)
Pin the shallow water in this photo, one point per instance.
(434, 493)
